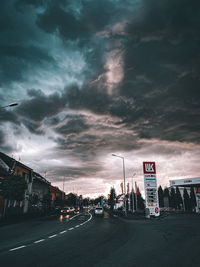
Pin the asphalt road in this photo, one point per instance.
(89, 241)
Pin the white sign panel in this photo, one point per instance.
(185, 182)
(150, 186)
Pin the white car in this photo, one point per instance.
(98, 211)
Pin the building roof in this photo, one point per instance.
(7, 160)
(186, 182)
(55, 189)
(10, 162)
(40, 178)
(4, 168)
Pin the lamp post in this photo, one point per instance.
(10, 105)
(133, 195)
(124, 175)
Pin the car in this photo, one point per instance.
(77, 210)
(71, 210)
(98, 211)
(64, 211)
(67, 210)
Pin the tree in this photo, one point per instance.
(98, 200)
(166, 197)
(186, 199)
(13, 187)
(140, 200)
(86, 201)
(161, 196)
(132, 200)
(173, 203)
(71, 199)
(112, 199)
(193, 202)
(179, 200)
(46, 202)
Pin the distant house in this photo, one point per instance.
(40, 190)
(10, 166)
(56, 193)
(119, 202)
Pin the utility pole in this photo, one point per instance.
(133, 202)
(133, 195)
(124, 176)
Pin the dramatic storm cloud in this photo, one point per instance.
(94, 78)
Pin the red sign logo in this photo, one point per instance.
(156, 209)
(149, 167)
(197, 189)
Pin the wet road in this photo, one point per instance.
(87, 241)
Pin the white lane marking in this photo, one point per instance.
(63, 232)
(75, 216)
(17, 248)
(41, 240)
(51, 236)
(38, 241)
(88, 219)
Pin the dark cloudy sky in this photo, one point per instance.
(96, 77)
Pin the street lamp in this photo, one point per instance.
(10, 105)
(133, 195)
(114, 155)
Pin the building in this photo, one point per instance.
(4, 170)
(39, 194)
(188, 183)
(10, 166)
(119, 202)
(56, 194)
(40, 190)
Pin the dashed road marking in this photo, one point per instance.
(63, 232)
(41, 240)
(51, 236)
(74, 216)
(17, 248)
(38, 241)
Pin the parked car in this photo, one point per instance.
(98, 211)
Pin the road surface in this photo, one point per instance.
(87, 241)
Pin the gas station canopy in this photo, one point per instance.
(186, 182)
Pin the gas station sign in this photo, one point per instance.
(150, 186)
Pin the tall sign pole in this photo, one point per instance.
(151, 190)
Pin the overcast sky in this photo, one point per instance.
(96, 77)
